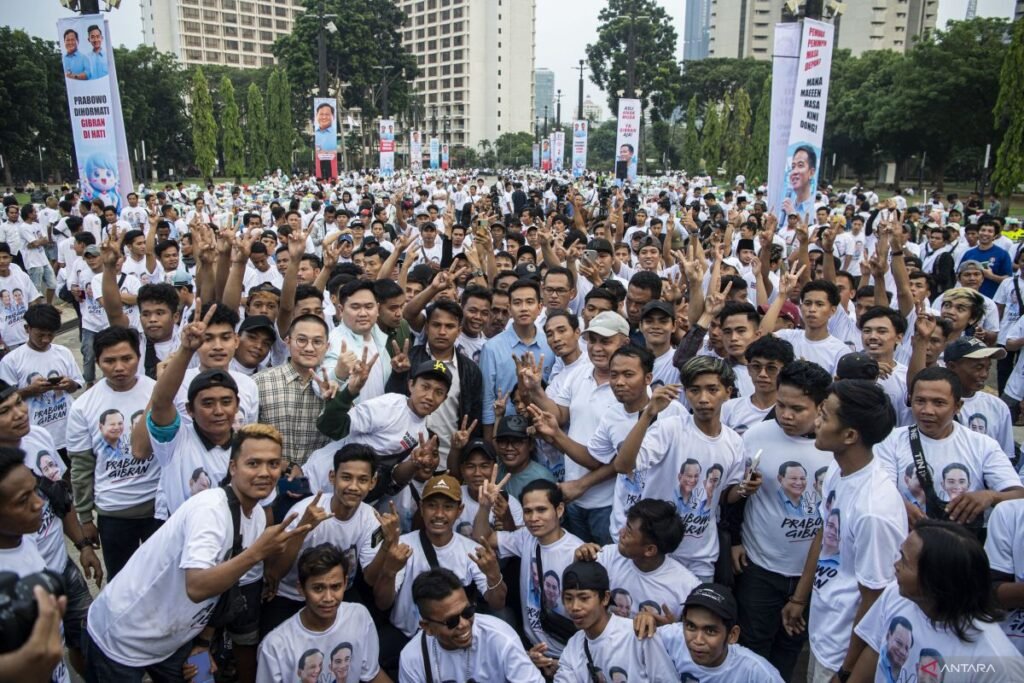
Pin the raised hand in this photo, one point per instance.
(400, 358)
(714, 302)
(361, 372)
(314, 514)
(193, 335)
(346, 361)
(327, 387)
(544, 423)
(925, 324)
(423, 454)
(397, 557)
(241, 248)
(461, 436)
(485, 558)
(790, 281)
(297, 244)
(587, 552)
(529, 372)
(491, 489)
(500, 403)
(390, 525)
(274, 538)
(661, 398)
(110, 250)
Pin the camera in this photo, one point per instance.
(18, 608)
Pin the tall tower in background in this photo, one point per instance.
(697, 33)
(544, 94)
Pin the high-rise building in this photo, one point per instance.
(747, 29)
(544, 94)
(697, 34)
(236, 33)
(1018, 13)
(476, 65)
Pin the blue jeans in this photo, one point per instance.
(590, 524)
(88, 356)
(99, 668)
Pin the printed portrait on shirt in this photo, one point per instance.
(309, 666)
(552, 595)
(899, 639)
(793, 493)
(618, 675)
(819, 480)
(341, 662)
(929, 666)
(465, 528)
(112, 434)
(956, 479)
(978, 423)
(621, 603)
(711, 481)
(689, 491)
(912, 489)
(199, 481)
(830, 538)
(48, 466)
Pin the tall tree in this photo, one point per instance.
(256, 126)
(737, 137)
(1009, 112)
(231, 139)
(757, 155)
(279, 127)
(711, 138)
(725, 151)
(204, 128)
(654, 64)
(691, 139)
(709, 78)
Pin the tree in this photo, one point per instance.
(231, 132)
(280, 130)
(204, 128)
(709, 78)
(711, 138)
(654, 49)
(514, 149)
(724, 122)
(737, 137)
(601, 150)
(691, 139)
(256, 125)
(1009, 112)
(757, 154)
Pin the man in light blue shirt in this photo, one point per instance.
(76, 65)
(496, 364)
(97, 58)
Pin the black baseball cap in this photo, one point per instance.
(479, 446)
(512, 426)
(257, 322)
(434, 369)
(858, 365)
(601, 245)
(658, 305)
(208, 379)
(715, 598)
(528, 271)
(585, 576)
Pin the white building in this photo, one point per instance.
(592, 110)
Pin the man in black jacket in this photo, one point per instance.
(461, 410)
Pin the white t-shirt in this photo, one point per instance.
(386, 424)
(137, 268)
(865, 524)
(676, 450)
(618, 654)
(848, 244)
(101, 421)
(16, 293)
(987, 414)
(825, 353)
(470, 346)
(1006, 554)
(1015, 384)
(891, 611)
(454, 556)
(740, 665)
(248, 397)
(781, 519)
(664, 369)
(42, 458)
(740, 414)
(353, 536)
(33, 257)
(991, 320)
(535, 590)
(48, 410)
(634, 590)
(144, 614)
(895, 387)
(496, 656)
(470, 507)
(346, 652)
(319, 467)
(254, 277)
(1006, 296)
(131, 285)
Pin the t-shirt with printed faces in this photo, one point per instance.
(386, 424)
(1005, 552)
(470, 346)
(987, 414)
(48, 410)
(33, 257)
(740, 665)
(101, 421)
(136, 268)
(16, 293)
(665, 370)
(346, 652)
(144, 614)
(24, 560)
(782, 517)
(353, 536)
(865, 522)
(825, 352)
(464, 524)
(42, 458)
(1006, 296)
(407, 503)
(604, 445)
(740, 414)
(683, 465)
(963, 461)
(910, 647)
(538, 592)
(634, 591)
(848, 244)
(405, 616)
(130, 285)
(617, 654)
(248, 397)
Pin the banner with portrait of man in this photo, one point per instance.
(386, 130)
(325, 137)
(579, 147)
(558, 150)
(627, 140)
(94, 101)
(435, 153)
(444, 156)
(416, 151)
(535, 155)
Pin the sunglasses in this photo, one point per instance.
(453, 621)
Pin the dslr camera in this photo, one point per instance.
(18, 608)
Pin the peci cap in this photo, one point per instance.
(513, 427)
(443, 485)
(658, 305)
(585, 576)
(715, 598)
(257, 322)
(211, 378)
(745, 244)
(971, 347)
(858, 365)
(608, 324)
(433, 369)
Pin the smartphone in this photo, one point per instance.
(54, 380)
(590, 255)
(755, 461)
(201, 661)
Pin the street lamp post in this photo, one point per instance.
(579, 103)
(545, 120)
(433, 111)
(321, 44)
(558, 109)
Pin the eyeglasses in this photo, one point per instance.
(556, 290)
(302, 342)
(454, 620)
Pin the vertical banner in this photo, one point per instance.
(785, 61)
(627, 140)
(579, 147)
(536, 155)
(435, 153)
(807, 125)
(94, 101)
(545, 154)
(325, 137)
(444, 156)
(416, 151)
(386, 130)
(558, 150)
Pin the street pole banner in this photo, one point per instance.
(579, 147)
(536, 155)
(416, 151)
(545, 153)
(807, 125)
(559, 150)
(325, 137)
(785, 62)
(444, 156)
(435, 153)
(627, 140)
(386, 130)
(94, 101)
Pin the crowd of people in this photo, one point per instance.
(447, 427)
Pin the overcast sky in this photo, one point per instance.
(564, 28)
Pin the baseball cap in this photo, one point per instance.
(858, 365)
(789, 311)
(481, 446)
(434, 369)
(715, 598)
(657, 305)
(92, 250)
(443, 485)
(527, 270)
(971, 347)
(345, 238)
(257, 322)
(970, 265)
(513, 426)
(181, 278)
(208, 379)
(601, 245)
(584, 576)
(650, 241)
(608, 324)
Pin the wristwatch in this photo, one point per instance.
(83, 543)
(199, 641)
